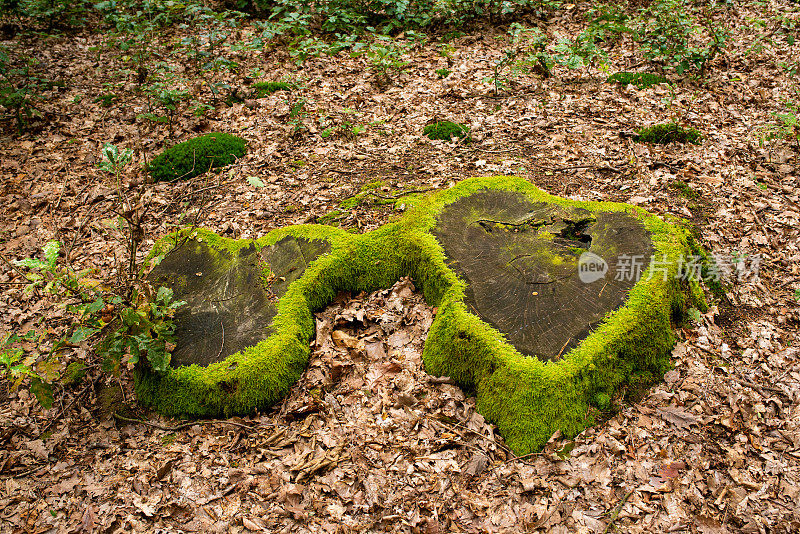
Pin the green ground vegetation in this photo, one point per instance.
(262, 89)
(670, 132)
(641, 80)
(446, 130)
(196, 156)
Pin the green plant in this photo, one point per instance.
(667, 133)
(138, 328)
(500, 78)
(530, 50)
(168, 94)
(446, 130)
(642, 80)
(297, 112)
(106, 100)
(262, 89)
(675, 33)
(797, 295)
(608, 22)
(141, 330)
(385, 16)
(52, 13)
(196, 156)
(602, 401)
(685, 189)
(579, 52)
(20, 88)
(443, 73)
(199, 109)
(130, 212)
(386, 55)
(787, 125)
(114, 161)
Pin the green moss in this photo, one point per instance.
(332, 217)
(262, 89)
(641, 80)
(74, 373)
(196, 156)
(527, 398)
(684, 189)
(667, 133)
(602, 401)
(446, 130)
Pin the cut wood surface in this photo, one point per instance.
(228, 305)
(521, 261)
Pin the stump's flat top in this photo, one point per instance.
(521, 261)
(229, 306)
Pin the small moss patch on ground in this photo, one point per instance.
(641, 80)
(684, 189)
(196, 156)
(262, 89)
(446, 130)
(670, 132)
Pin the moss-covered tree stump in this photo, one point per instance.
(546, 306)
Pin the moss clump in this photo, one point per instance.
(74, 373)
(641, 80)
(196, 156)
(526, 397)
(684, 189)
(667, 133)
(262, 89)
(446, 130)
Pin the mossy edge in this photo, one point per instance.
(528, 399)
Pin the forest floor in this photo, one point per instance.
(366, 440)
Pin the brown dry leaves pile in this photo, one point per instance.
(367, 441)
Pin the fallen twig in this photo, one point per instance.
(182, 425)
(572, 167)
(63, 411)
(617, 510)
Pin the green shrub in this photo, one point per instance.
(667, 133)
(387, 16)
(446, 130)
(196, 156)
(262, 89)
(678, 34)
(641, 80)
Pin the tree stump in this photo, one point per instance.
(520, 260)
(230, 303)
(547, 307)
